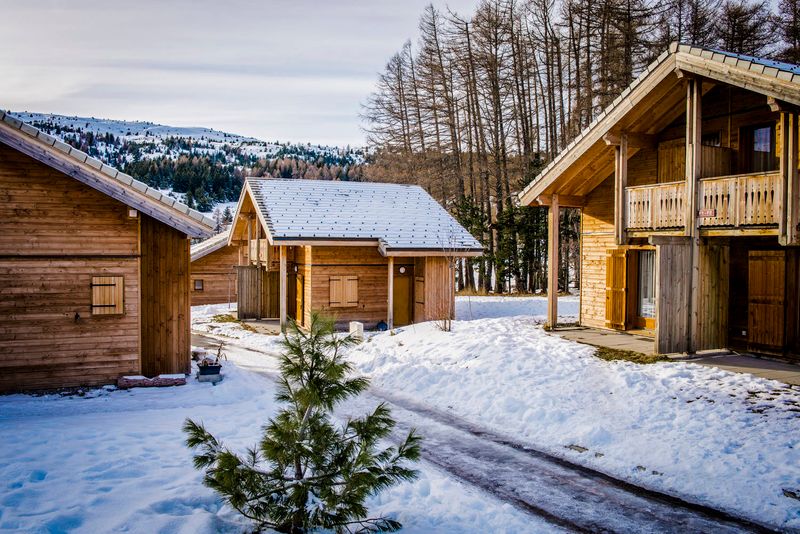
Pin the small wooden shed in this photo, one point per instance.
(214, 270)
(94, 268)
(358, 251)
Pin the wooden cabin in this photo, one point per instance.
(94, 268)
(690, 205)
(357, 251)
(214, 270)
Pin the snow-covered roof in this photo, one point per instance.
(398, 217)
(212, 244)
(106, 179)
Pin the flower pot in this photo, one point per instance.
(209, 369)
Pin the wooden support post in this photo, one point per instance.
(259, 277)
(283, 288)
(789, 186)
(620, 183)
(694, 136)
(552, 263)
(390, 299)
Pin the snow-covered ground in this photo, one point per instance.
(114, 461)
(723, 439)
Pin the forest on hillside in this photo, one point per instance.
(476, 106)
(202, 171)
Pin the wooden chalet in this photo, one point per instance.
(214, 270)
(357, 251)
(94, 268)
(690, 200)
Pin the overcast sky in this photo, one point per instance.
(274, 69)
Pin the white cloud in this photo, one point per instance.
(289, 70)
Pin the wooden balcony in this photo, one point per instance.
(726, 202)
(655, 207)
(742, 200)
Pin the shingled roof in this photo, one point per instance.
(396, 217)
(771, 78)
(106, 179)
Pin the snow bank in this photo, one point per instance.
(115, 461)
(725, 439)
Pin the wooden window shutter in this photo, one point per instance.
(108, 295)
(616, 288)
(336, 291)
(343, 291)
(351, 291)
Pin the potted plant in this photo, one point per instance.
(212, 366)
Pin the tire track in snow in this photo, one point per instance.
(568, 495)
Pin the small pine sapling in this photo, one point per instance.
(307, 472)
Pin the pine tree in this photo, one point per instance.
(306, 472)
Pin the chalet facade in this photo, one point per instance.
(690, 200)
(94, 268)
(215, 269)
(356, 251)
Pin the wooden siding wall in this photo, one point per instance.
(218, 273)
(597, 236)
(672, 293)
(364, 262)
(166, 344)
(55, 235)
(439, 289)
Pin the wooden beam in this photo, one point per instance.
(390, 299)
(553, 216)
(283, 288)
(694, 136)
(780, 105)
(635, 140)
(785, 126)
(567, 201)
(793, 182)
(620, 183)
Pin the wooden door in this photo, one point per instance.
(300, 299)
(247, 306)
(402, 300)
(766, 300)
(616, 288)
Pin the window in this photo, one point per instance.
(757, 149)
(646, 301)
(108, 295)
(198, 284)
(343, 291)
(712, 138)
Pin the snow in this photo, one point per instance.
(719, 438)
(724, 439)
(468, 308)
(115, 461)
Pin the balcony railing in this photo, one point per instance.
(744, 200)
(728, 201)
(655, 207)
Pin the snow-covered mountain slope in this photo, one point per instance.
(157, 139)
(203, 167)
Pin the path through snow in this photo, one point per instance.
(568, 496)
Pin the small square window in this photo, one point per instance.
(198, 284)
